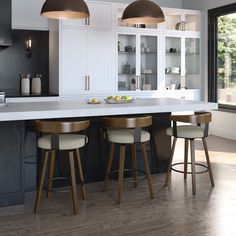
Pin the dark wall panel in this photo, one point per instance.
(13, 59)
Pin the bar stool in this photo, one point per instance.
(198, 129)
(61, 136)
(127, 131)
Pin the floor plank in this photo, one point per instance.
(173, 211)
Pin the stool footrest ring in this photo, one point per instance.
(190, 172)
(62, 189)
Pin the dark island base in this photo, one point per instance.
(19, 157)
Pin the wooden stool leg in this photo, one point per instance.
(73, 182)
(41, 181)
(81, 175)
(134, 164)
(109, 165)
(170, 162)
(208, 162)
(185, 158)
(147, 170)
(121, 173)
(193, 166)
(51, 173)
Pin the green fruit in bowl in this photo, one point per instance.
(127, 97)
(110, 97)
(94, 100)
(117, 97)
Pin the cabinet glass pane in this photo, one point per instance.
(121, 24)
(173, 21)
(172, 62)
(148, 63)
(192, 63)
(192, 22)
(126, 62)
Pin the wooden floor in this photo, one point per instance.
(173, 211)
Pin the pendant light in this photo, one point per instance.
(65, 9)
(143, 12)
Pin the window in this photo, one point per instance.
(222, 56)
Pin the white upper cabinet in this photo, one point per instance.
(100, 17)
(100, 61)
(119, 9)
(101, 56)
(182, 20)
(26, 15)
(73, 61)
(85, 61)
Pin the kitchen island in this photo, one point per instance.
(17, 137)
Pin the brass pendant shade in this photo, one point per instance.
(65, 9)
(143, 12)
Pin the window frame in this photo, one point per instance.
(212, 53)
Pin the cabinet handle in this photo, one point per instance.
(88, 82)
(87, 21)
(138, 82)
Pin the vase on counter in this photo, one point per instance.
(25, 84)
(36, 84)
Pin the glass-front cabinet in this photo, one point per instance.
(137, 62)
(182, 62)
(192, 63)
(172, 62)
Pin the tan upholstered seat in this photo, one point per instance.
(187, 131)
(198, 129)
(66, 141)
(126, 136)
(58, 135)
(127, 131)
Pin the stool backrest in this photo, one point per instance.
(199, 118)
(58, 127)
(128, 122)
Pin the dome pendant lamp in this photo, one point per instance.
(65, 9)
(143, 12)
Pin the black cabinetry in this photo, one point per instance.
(5, 23)
(11, 163)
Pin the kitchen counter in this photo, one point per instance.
(66, 109)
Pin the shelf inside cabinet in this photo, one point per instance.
(172, 73)
(192, 53)
(173, 53)
(148, 73)
(154, 52)
(126, 52)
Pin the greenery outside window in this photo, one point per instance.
(222, 56)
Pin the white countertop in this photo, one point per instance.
(63, 109)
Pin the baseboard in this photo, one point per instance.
(224, 133)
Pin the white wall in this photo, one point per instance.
(163, 3)
(223, 122)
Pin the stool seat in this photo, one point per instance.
(66, 141)
(126, 136)
(187, 131)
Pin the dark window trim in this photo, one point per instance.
(212, 56)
